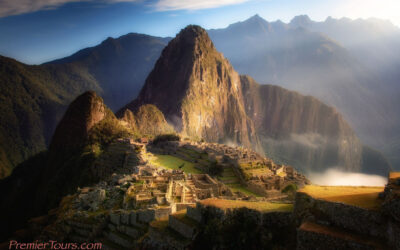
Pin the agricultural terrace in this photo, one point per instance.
(261, 206)
(172, 162)
(364, 197)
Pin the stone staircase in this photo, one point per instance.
(187, 196)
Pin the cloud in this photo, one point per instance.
(16, 7)
(335, 177)
(168, 5)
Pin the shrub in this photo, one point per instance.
(291, 188)
(166, 137)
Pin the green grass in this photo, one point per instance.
(172, 162)
(240, 188)
(261, 206)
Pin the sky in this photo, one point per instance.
(36, 31)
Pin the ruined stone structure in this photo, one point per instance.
(260, 174)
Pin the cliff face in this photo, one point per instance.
(300, 130)
(198, 91)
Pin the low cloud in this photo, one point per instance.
(168, 5)
(16, 7)
(335, 177)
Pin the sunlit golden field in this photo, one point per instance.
(365, 197)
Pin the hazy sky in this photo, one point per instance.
(35, 31)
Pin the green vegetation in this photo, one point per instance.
(32, 100)
(172, 162)
(290, 188)
(166, 137)
(261, 206)
(108, 130)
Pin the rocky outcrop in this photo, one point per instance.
(198, 91)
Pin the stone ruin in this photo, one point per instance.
(268, 182)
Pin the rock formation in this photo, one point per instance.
(198, 91)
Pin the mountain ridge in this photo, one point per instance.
(265, 113)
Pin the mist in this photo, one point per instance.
(335, 177)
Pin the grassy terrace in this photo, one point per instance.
(172, 162)
(261, 206)
(237, 187)
(364, 197)
(394, 175)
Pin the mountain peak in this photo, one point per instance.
(198, 91)
(255, 17)
(300, 21)
(192, 38)
(192, 30)
(82, 114)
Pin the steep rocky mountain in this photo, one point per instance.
(39, 183)
(34, 98)
(300, 58)
(198, 91)
(202, 96)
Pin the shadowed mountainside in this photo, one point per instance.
(39, 183)
(34, 98)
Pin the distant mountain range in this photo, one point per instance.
(349, 64)
(297, 56)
